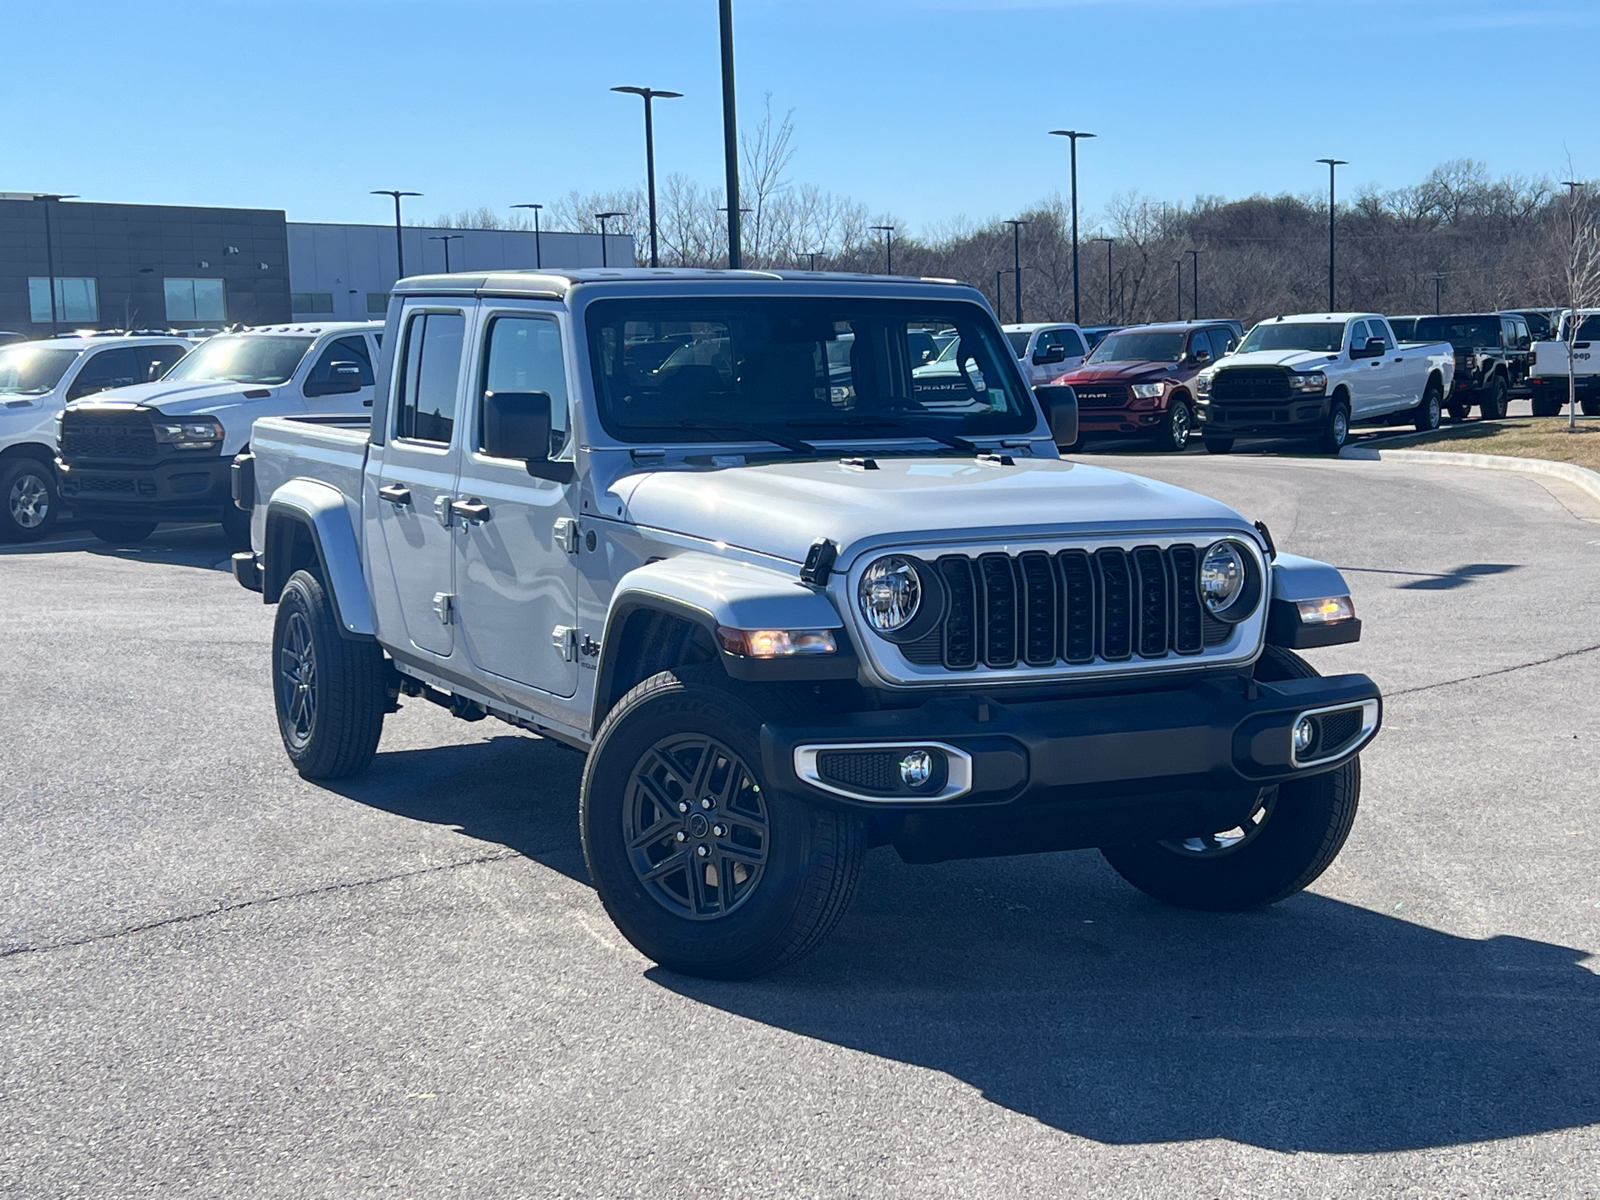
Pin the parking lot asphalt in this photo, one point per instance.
(221, 980)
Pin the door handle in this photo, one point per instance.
(1399, 360)
(397, 494)
(472, 511)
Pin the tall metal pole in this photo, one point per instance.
(1194, 298)
(447, 238)
(1074, 135)
(603, 218)
(1016, 263)
(538, 249)
(399, 244)
(888, 247)
(1333, 164)
(730, 135)
(1108, 242)
(1438, 280)
(1180, 289)
(650, 94)
(998, 276)
(50, 198)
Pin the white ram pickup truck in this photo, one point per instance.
(1551, 377)
(627, 510)
(1315, 375)
(132, 457)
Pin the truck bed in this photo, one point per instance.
(330, 450)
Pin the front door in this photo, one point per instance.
(517, 548)
(412, 485)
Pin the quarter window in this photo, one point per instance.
(77, 299)
(524, 355)
(430, 370)
(195, 300)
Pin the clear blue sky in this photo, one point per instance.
(924, 108)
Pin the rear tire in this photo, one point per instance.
(1591, 408)
(1459, 411)
(1177, 428)
(1335, 428)
(1427, 417)
(1217, 445)
(328, 690)
(676, 770)
(1547, 407)
(28, 501)
(1289, 840)
(121, 533)
(1492, 407)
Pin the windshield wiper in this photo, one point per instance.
(765, 435)
(863, 422)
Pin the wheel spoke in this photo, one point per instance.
(654, 834)
(744, 854)
(673, 769)
(667, 866)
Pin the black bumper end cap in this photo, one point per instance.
(247, 570)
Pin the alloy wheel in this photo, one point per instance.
(29, 501)
(1227, 841)
(297, 680)
(696, 827)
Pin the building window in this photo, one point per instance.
(378, 303)
(195, 300)
(76, 300)
(311, 304)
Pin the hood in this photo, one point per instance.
(182, 397)
(1120, 372)
(781, 508)
(1295, 360)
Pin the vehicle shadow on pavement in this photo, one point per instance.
(517, 791)
(204, 547)
(1313, 1026)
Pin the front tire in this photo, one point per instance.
(328, 690)
(1177, 428)
(28, 501)
(1427, 417)
(121, 533)
(702, 867)
(1292, 834)
(1335, 428)
(1493, 405)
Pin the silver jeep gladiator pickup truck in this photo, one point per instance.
(794, 599)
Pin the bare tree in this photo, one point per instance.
(1582, 283)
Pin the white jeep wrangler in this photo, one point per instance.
(788, 620)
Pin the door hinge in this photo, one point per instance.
(567, 534)
(441, 509)
(565, 639)
(444, 603)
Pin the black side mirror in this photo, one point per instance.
(1051, 354)
(1376, 347)
(1060, 405)
(343, 378)
(1201, 357)
(517, 425)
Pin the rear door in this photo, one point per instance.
(1403, 374)
(412, 477)
(517, 542)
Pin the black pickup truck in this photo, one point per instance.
(1491, 359)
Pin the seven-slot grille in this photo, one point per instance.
(108, 435)
(1101, 395)
(1251, 383)
(1075, 606)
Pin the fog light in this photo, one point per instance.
(1305, 732)
(916, 768)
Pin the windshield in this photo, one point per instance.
(1138, 347)
(747, 366)
(1464, 333)
(1019, 342)
(1326, 336)
(247, 359)
(33, 370)
(1588, 331)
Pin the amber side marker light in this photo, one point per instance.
(777, 643)
(1326, 611)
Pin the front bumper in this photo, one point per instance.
(1075, 772)
(1121, 420)
(170, 490)
(1262, 418)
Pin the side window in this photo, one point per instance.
(523, 354)
(1358, 335)
(1524, 337)
(1380, 329)
(345, 349)
(159, 360)
(1222, 342)
(430, 371)
(107, 369)
(1074, 344)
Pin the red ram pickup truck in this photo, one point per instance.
(1138, 382)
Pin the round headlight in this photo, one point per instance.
(1222, 577)
(890, 593)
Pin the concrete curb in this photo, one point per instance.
(1582, 477)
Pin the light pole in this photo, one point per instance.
(1074, 135)
(730, 133)
(1572, 187)
(1108, 242)
(538, 246)
(1333, 164)
(49, 198)
(1438, 281)
(813, 255)
(1194, 298)
(446, 238)
(650, 94)
(888, 247)
(1016, 263)
(399, 245)
(603, 218)
(1180, 287)
(998, 276)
